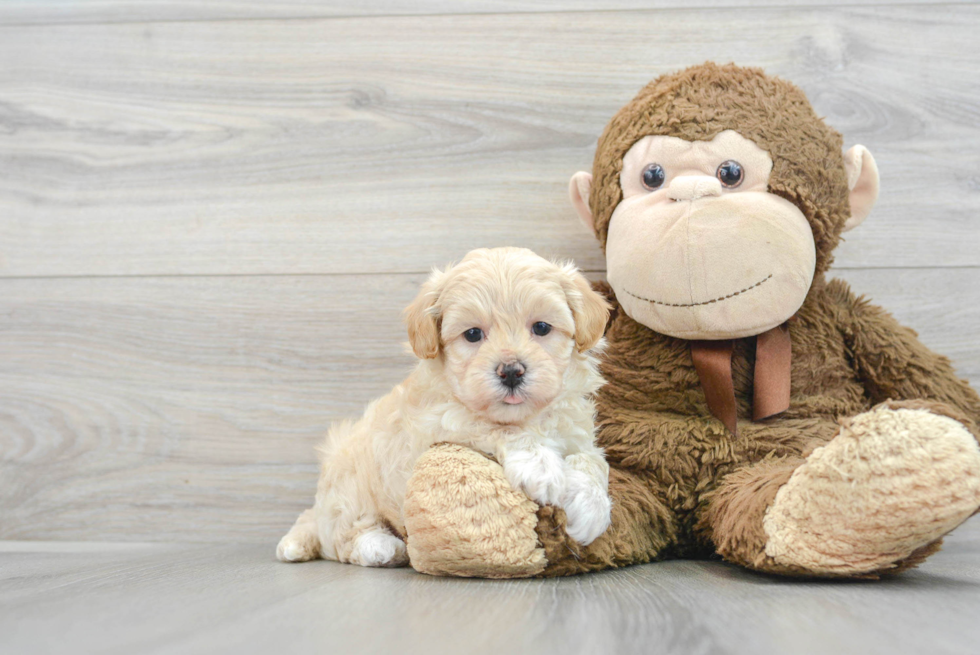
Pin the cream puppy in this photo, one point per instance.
(505, 342)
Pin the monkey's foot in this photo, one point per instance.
(464, 519)
(893, 481)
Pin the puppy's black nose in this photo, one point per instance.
(511, 375)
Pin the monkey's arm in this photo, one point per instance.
(891, 361)
(642, 530)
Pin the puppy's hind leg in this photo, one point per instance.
(349, 525)
(301, 543)
(376, 546)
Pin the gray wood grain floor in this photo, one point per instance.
(226, 598)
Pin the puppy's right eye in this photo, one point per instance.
(473, 335)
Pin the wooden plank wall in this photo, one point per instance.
(212, 213)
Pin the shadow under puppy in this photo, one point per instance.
(505, 342)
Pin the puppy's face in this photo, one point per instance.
(506, 323)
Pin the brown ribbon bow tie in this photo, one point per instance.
(773, 356)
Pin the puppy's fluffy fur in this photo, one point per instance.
(524, 397)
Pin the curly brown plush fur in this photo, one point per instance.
(712, 488)
(873, 461)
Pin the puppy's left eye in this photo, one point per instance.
(541, 328)
(473, 335)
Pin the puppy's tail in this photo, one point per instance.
(338, 433)
(301, 543)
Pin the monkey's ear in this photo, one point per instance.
(422, 317)
(862, 182)
(578, 190)
(589, 309)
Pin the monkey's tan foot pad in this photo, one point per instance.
(464, 519)
(892, 481)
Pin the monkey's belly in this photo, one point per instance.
(685, 456)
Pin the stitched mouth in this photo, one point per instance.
(706, 302)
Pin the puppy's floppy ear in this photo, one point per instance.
(589, 309)
(422, 317)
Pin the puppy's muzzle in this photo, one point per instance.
(511, 375)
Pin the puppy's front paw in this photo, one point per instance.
(540, 473)
(587, 507)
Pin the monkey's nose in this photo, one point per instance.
(692, 187)
(511, 375)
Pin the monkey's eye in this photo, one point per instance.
(541, 328)
(653, 177)
(730, 174)
(473, 335)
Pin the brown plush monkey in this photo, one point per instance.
(753, 409)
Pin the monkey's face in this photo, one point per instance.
(700, 240)
(698, 248)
